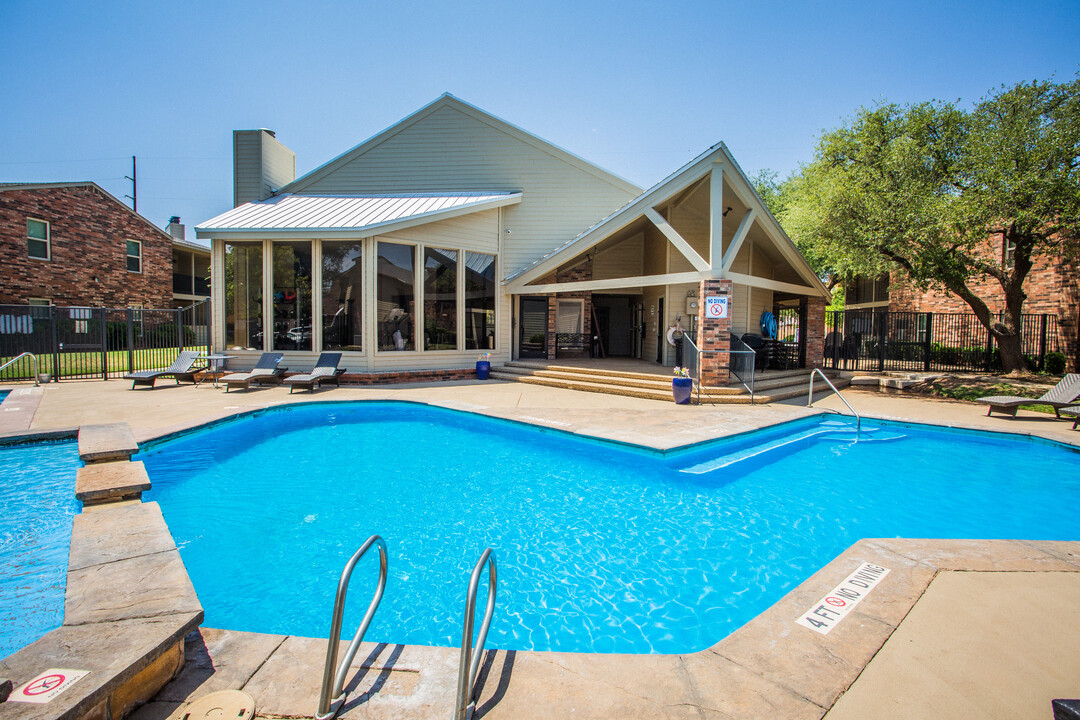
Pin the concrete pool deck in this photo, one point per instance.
(997, 637)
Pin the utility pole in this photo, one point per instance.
(134, 186)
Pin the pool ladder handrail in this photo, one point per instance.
(470, 656)
(810, 399)
(15, 359)
(332, 696)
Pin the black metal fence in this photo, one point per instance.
(880, 340)
(83, 342)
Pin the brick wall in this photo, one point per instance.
(713, 335)
(815, 331)
(1052, 287)
(88, 267)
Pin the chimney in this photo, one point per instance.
(174, 227)
(261, 165)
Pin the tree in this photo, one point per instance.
(922, 188)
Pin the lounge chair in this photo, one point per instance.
(181, 369)
(326, 370)
(1062, 395)
(265, 372)
(1074, 412)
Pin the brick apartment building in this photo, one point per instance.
(75, 244)
(1052, 288)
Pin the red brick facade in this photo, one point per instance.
(88, 234)
(1052, 288)
(714, 334)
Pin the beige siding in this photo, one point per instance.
(621, 261)
(478, 231)
(261, 165)
(451, 151)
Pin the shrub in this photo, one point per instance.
(1055, 363)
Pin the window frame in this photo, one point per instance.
(128, 256)
(47, 240)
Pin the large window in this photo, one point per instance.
(342, 299)
(479, 301)
(134, 256)
(292, 295)
(37, 239)
(440, 299)
(243, 296)
(396, 309)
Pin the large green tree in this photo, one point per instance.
(922, 188)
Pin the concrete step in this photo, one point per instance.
(631, 380)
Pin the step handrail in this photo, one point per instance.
(15, 359)
(470, 656)
(810, 399)
(332, 696)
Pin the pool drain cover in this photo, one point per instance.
(221, 705)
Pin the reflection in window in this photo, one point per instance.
(243, 296)
(342, 299)
(396, 311)
(440, 299)
(479, 301)
(292, 296)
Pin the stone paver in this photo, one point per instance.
(117, 533)
(114, 653)
(219, 660)
(18, 408)
(146, 586)
(966, 651)
(103, 443)
(109, 481)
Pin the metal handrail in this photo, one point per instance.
(697, 362)
(332, 696)
(747, 350)
(15, 359)
(810, 399)
(470, 656)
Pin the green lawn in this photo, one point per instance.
(90, 363)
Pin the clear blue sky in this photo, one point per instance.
(636, 87)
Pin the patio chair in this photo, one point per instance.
(1074, 412)
(326, 370)
(181, 369)
(1062, 395)
(265, 372)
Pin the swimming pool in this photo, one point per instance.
(602, 547)
(38, 500)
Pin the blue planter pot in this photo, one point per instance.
(680, 389)
(483, 369)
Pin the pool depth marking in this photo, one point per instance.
(834, 607)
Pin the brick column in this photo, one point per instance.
(713, 335)
(815, 332)
(552, 310)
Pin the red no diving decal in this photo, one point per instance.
(47, 685)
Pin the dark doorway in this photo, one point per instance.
(660, 330)
(615, 323)
(534, 326)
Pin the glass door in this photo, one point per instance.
(534, 325)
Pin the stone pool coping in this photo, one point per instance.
(768, 668)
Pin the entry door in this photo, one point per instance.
(534, 324)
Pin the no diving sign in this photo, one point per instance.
(832, 608)
(47, 685)
(716, 307)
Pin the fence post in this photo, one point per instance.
(180, 325)
(130, 314)
(1042, 341)
(928, 341)
(104, 347)
(55, 343)
(882, 334)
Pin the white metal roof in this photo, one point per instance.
(292, 213)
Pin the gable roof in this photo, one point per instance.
(296, 215)
(4, 187)
(446, 100)
(670, 186)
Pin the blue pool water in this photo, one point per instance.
(3, 394)
(601, 547)
(37, 495)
